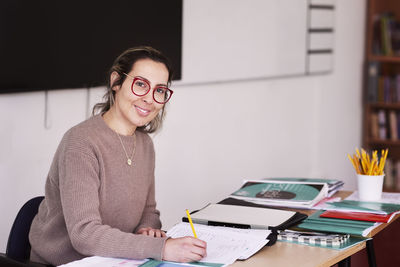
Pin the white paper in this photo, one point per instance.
(393, 198)
(97, 261)
(224, 244)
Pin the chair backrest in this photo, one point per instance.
(18, 246)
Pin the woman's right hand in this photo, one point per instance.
(184, 249)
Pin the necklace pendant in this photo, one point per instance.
(129, 161)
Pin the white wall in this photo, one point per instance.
(214, 135)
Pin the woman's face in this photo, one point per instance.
(135, 111)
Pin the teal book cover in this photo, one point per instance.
(273, 190)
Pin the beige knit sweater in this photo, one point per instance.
(94, 201)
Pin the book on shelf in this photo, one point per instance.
(382, 124)
(385, 125)
(396, 37)
(282, 193)
(398, 124)
(396, 179)
(388, 180)
(374, 125)
(376, 35)
(397, 87)
(393, 125)
(387, 92)
(386, 35)
(380, 89)
(372, 84)
(386, 20)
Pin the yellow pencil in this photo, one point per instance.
(352, 162)
(191, 223)
(367, 164)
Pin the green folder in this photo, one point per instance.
(316, 223)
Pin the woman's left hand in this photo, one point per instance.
(151, 232)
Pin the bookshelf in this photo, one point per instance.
(381, 93)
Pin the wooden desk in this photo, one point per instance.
(284, 254)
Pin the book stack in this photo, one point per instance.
(386, 35)
(287, 192)
(361, 211)
(382, 88)
(333, 184)
(385, 124)
(334, 225)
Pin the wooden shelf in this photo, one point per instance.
(388, 67)
(382, 142)
(389, 190)
(388, 59)
(382, 105)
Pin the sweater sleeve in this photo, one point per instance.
(79, 190)
(151, 216)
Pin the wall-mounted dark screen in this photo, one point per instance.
(57, 44)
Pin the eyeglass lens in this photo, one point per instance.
(160, 94)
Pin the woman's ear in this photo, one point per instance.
(114, 77)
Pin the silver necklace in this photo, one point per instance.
(128, 159)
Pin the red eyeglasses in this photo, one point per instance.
(141, 87)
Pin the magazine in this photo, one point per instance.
(282, 193)
(333, 184)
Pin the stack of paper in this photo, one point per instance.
(224, 244)
(97, 261)
(282, 193)
(387, 197)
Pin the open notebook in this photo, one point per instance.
(248, 229)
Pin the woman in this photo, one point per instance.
(99, 197)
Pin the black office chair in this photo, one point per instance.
(18, 246)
